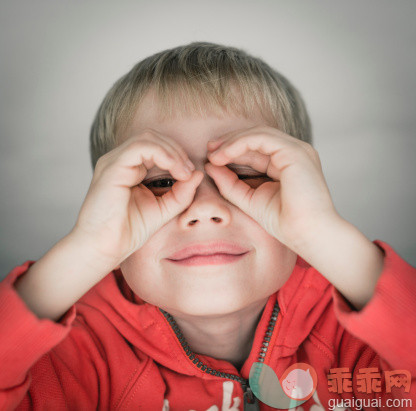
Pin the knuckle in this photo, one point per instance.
(136, 141)
(307, 147)
(268, 129)
(148, 133)
(101, 163)
(150, 143)
(104, 171)
(142, 144)
(313, 152)
(304, 144)
(181, 151)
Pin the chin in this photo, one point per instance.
(208, 304)
(200, 310)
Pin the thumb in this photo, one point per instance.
(231, 187)
(154, 212)
(179, 197)
(257, 202)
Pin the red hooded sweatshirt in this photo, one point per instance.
(113, 351)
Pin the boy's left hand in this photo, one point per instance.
(295, 205)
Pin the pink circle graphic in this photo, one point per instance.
(299, 381)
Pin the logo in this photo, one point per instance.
(296, 386)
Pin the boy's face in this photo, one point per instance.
(205, 289)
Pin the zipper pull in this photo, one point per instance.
(251, 402)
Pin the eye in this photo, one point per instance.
(249, 176)
(254, 180)
(246, 173)
(160, 185)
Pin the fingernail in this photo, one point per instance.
(187, 169)
(190, 165)
(214, 143)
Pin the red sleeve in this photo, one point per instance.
(25, 345)
(387, 326)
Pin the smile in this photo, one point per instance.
(211, 259)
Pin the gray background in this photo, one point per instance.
(353, 61)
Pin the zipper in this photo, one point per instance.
(250, 400)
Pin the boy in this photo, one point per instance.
(207, 242)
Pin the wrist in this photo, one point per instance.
(61, 276)
(346, 258)
(86, 250)
(317, 232)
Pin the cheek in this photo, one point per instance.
(276, 262)
(191, 291)
(143, 264)
(140, 273)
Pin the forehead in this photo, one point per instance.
(191, 130)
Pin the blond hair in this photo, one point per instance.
(200, 77)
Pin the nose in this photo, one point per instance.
(208, 207)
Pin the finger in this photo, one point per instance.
(154, 211)
(180, 196)
(127, 168)
(230, 136)
(176, 147)
(230, 186)
(213, 145)
(253, 159)
(265, 144)
(243, 196)
(153, 135)
(170, 203)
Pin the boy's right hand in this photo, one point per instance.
(119, 213)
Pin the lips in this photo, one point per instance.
(219, 247)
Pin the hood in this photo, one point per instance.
(302, 300)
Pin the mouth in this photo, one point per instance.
(208, 254)
(212, 259)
